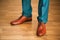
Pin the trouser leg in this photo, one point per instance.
(26, 8)
(43, 7)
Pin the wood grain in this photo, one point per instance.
(12, 9)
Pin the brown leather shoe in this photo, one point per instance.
(21, 20)
(41, 30)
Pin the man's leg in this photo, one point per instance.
(43, 11)
(26, 13)
(26, 8)
(42, 16)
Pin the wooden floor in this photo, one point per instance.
(12, 9)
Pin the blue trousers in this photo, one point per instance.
(43, 7)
